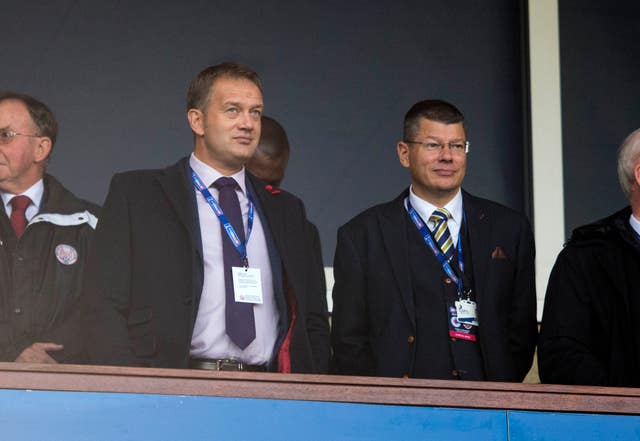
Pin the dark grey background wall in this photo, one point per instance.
(338, 75)
(600, 78)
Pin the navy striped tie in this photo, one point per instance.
(441, 232)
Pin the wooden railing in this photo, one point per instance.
(412, 392)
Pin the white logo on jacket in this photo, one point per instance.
(66, 254)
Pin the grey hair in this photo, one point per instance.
(628, 155)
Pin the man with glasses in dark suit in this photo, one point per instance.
(436, 283)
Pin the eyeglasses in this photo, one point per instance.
(455, 147)
(6, 136)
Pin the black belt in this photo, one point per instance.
(227, 364)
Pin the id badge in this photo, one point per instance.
(466, 310)
(247, 285)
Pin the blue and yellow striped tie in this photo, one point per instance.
(441, 233)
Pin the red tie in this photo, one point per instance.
(18, 219)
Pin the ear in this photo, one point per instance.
(636, 173)
(403, 154)
(196, 121)
(43, 149)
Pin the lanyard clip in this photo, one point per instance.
(245, 263)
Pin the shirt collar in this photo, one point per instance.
(35, 193)
(635, 224)
(209, 175)
(425, 209)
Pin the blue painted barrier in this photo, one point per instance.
(75, 416)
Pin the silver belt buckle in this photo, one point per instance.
(229, 364)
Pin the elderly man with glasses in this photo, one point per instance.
(44, 235)
(436, 283)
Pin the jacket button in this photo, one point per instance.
(411, 339)
(447, 281)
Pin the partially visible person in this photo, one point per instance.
(269, 163)
(271, 157)
(45, 233)
(197, 265)
(436, 283)
(588, 333)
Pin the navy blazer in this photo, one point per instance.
(373, 306)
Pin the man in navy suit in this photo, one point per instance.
(162, 290)
(436, 283)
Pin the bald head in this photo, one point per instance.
(272, 154)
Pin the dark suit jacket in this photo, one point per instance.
(373, 306)
(145, 274)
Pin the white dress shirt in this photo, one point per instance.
(454, 206)
(210, 339)
(35, 193)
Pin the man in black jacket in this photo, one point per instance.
(589, 332)
(416, 295)
(44, 238)
(163, 289)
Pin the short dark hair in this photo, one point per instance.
(42, 116)
(200, 88)
(273, 139)
(433, 110)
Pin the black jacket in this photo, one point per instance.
(145, 278)
(41, 278)
(590, 332)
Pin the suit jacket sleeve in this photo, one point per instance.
(565, 352)
(66, 334)
(106, 289)
(317, 322)
(522, 318)
(352, 354)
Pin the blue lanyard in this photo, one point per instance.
(231, 232)
(426, 235)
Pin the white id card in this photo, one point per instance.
(247, 285)
(466, 310)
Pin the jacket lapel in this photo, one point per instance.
(176, 184)
(479, 228)
(394, 236)
(269, 217)
(272, 225)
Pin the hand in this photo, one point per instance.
(37, 353)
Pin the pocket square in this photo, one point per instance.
(498, 253)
